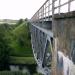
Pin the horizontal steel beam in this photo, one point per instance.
(48, 32)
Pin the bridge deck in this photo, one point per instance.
(46, 31)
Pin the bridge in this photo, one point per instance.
(53, 36)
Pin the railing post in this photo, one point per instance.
(69, 4)
(53, 14)
(48, 9)
(45, 12)
(59, 6)
(38, 16)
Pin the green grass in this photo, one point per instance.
(22, 60)
(12, 73)
(21, 43)
(37, 74)
(15, 73)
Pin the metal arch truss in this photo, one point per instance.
(41, 43)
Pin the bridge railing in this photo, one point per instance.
(51, 7)
(63, 6)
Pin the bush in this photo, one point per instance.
(16, 73)
(12, 73)
(21, 42)
(4, 48)
(20, 22)
(38, 74)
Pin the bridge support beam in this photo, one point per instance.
(41, 40)
(44, 24)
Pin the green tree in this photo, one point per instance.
(20, 22)
(21, 41)
(4, 48)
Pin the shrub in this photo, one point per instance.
(12, 73)
(4, 48)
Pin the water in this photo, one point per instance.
(25, 70)
(14, 68)
(17, 68)
(43, 70)
(67, 65)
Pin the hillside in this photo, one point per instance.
(21, 40)
(18, 38)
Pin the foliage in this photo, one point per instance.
(4, 47)
(18, 38)
(26, 19)
(12, 73)
(37, 74)
(21, 41)
(22, 60)
(20, 22)
(15, 41)
(16, 73)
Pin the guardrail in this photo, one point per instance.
(51, 7)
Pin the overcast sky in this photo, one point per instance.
(16, 9)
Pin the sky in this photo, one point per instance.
(16, 9)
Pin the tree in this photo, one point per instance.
(20, 22)
(26, 19)
(4, 50)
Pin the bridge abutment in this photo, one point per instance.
(64, 31)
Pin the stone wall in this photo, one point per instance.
(64, 30)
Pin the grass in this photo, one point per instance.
(15, 73)
(22, 60)
(12, 73)
(21, 43)
(37, 74)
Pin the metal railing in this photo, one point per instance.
(51, 7)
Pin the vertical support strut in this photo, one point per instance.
(40, 42)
